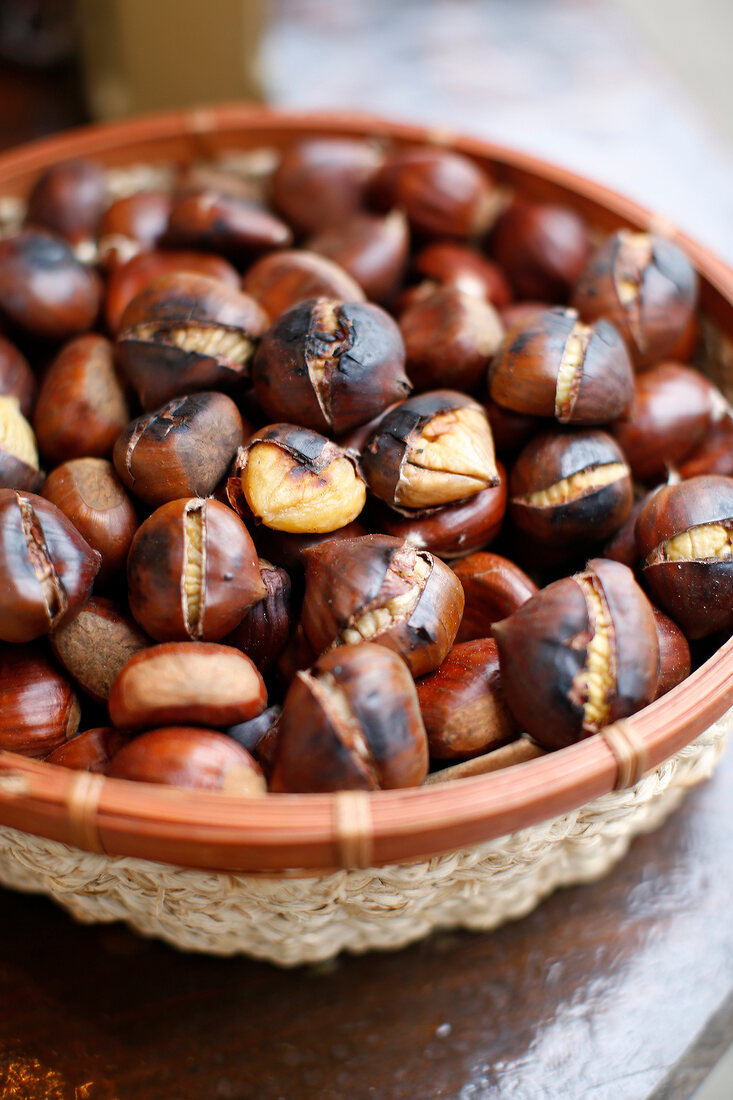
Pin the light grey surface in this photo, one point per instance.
(569, 80)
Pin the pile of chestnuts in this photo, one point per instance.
(330, 473)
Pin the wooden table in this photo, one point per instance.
(616, 991)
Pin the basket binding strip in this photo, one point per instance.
(289, 920)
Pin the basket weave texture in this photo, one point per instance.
(290, 920)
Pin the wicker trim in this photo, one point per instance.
(354, 829)
(82, 803)
(629, 751)
(290, 920)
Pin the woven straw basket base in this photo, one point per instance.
(289, 920)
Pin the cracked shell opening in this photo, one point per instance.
(452, 458)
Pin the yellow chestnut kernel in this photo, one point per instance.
(571, 368)
(577, 485)
(16, 434)
(709, 540)
(452, 458)
(598, 672)
(193, 567)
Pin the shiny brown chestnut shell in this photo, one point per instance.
(128, 279)
(281, 280)
(551, 364)
(567, 488)
(430, 450)
(132, 224)
(330, 365)
(195, 682)
(494, 587)
(352, 722)
(684, 539)
(449, 339)
(646, 286)
(19, 462)
(453, 530)
(94, 645)
(38, 706)
(285, 548)
(542, 247)
(192, 571)
(16, 377)
(450, 264)
(44, 289)
(90, 751)
(374, 249)
(511, 430)
(321, 181)
(675, 661)
(47, 567)
(714, 455)
(91, 496)
(462, 705)
(259, 736)
(380, 589)
(443, 193)
(68, 198)
(183, 333)
(188, 756)
(674, 408)
(264, 631)
(82, 406)
(182, 449)
(229, 224)
(580, 654)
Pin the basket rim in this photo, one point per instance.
(217, 831)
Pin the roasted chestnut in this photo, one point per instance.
(192, 571)
(182, 449)
(18, 449)
(542, 247)
(450, 264)
(259, 737)
(188, 756)
(684, 539)
(81, 407)
(38, 707)
(46, 566)
(449, 339)
(430, 450)
(90, 751)
(675, 661)
(379, 589)
(330, 365)
(16, 377)
(282, 280)
(263, 632)
(373, 249)
(494, 588)
(132, 224)
(96, 644)
(69, 198)
(321, 181)
(195, 682)
(646, 286)
(225, 223)
(551, 364)
(296, 480)
(184, 333)
(580, 654)
(352, 722)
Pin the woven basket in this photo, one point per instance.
(295, 878)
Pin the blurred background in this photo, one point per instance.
(635, 93)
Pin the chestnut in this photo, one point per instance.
(132, 224)
(461, 703)
(259, 736)
(89, 493)
(188, 756)
(69, 198)
(44, 289)
(192, 571)
(94, 645)
(330, 365)
(296, 480)
(225, 223)
(684, 538)
(351, 722)
(714, 455)
(285, 547)
(182, 449)
(321, 181)
(645, 286)
(47, 567)
(374, 249)
(16, 377)
(567, 489)
(184, 333)
(551, 364)
(377, 588)
(264, 631)
(128, 279)
(443, 193)
(494, 587)
(450, 264)
(511, 430)
(578, 655)
(430, 450)
(673, 410)
(90, 751)
(38, 706)
(453, 530)
(675, 661)
(82, 406)
(196, 682)
(449, 339)
(542, 247)
(18, 450)
(281, 280)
